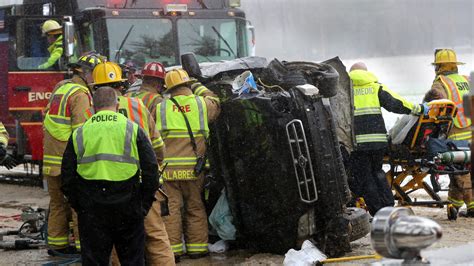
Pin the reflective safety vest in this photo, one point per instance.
(366, 102)
(171, 124)
(3, 135)
(132, 109)
(456, 86)
(58, 118)
(148, 98)
(106, 147)
(55, 52)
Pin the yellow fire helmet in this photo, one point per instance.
(176, 77)
(51, 27)
(443, 56)
(106, 73)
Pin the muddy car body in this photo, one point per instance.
(277, 153)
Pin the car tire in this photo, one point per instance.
(359, 221)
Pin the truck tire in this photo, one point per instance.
(359, 220)
(323, 76)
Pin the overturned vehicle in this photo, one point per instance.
(276, 151)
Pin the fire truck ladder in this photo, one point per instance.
(301, 161)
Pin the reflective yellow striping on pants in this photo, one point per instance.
(187, 194)
(59, 215)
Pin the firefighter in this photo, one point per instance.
(158, 249)
(371, 135)
(5, 159)
(64, 113)
(185, 154)
(110, 178)
(53, 31)
(448, 84)
(153, 75)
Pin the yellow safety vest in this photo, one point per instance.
(366, 102)
(56, 51)
(106, 147)
(456, 86)
(171, 124)
(148, 98)
(58, 118)
(3, 135)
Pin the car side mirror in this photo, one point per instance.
(191, 65)
(68, 28)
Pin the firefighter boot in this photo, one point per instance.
(452, 212)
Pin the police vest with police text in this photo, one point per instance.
(132, 109)
(106, 147)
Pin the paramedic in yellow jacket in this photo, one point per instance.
(448, 84)
(183, 182)
(53, 31)
(64, 113)
(157, 245)
(371, 136)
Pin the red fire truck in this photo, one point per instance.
(123, 30)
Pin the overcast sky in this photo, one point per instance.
(319, 29)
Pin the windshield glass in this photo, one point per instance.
(212, 39)
(149, 40)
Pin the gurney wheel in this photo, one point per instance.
(452, 212)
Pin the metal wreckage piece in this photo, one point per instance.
(30, 235)
(398, 234)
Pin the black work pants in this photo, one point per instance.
(369, 179)
(100, 231)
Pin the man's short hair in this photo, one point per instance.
(104, 97)
(358, 66)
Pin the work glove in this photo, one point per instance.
(426, 108)
(9, 162)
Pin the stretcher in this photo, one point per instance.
(409, 159)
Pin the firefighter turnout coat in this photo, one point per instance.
(200, 108)
(63, 114)
(369, 97)
(453, 86)
(148, 96)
